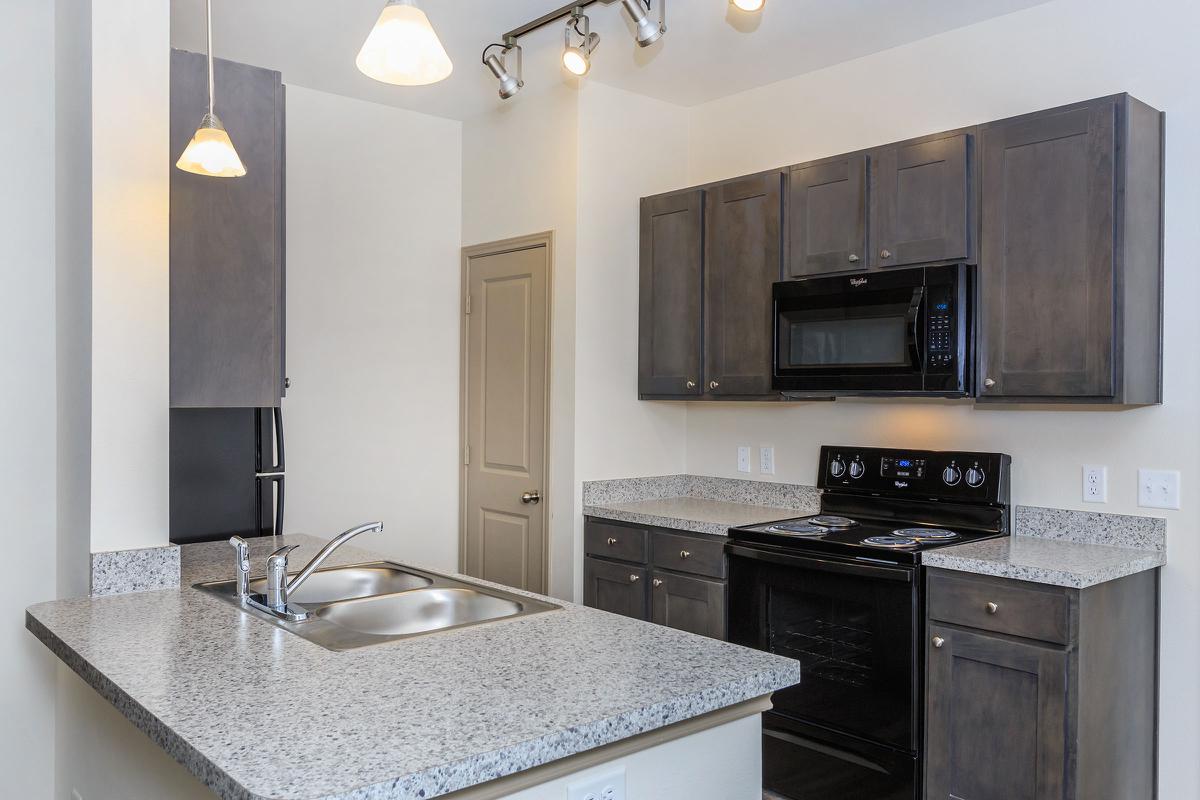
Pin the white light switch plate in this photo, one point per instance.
(743, 459)
(607, 786)
(1095, 483)
(766, 460)
(1158, 488)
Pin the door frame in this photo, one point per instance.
(499, 247)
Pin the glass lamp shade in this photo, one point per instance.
(749, 5)
(211, 152)
(403, 49)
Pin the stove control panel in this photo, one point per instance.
(919, 474)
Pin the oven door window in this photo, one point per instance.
(850, 626)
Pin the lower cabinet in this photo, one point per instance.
(671, 578)
(1038, 692)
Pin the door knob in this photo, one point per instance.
(534, 497)
(938, 641)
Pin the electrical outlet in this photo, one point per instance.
(766, 460)
(607, 786)
(743, 459)
(1158, 488)
(1095, 483)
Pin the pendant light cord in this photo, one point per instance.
(208, 14)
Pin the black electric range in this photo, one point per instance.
(842, 591)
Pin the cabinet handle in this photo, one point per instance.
(885, 253)
(634, 578)
(691, 384)
(611, 541)
(992, 608)
(684, 554)
(714, 385)
(853, 258)
(938, 641)
(989, 383)
(657, 583)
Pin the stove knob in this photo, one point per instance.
(975, 477)
(951, 475)
(837, 468)
(857, 469)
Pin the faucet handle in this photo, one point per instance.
(280, 557)
(277, 585)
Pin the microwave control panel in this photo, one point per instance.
(941, 329)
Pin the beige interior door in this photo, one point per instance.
(505, 382)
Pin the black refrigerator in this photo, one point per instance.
(227, 473)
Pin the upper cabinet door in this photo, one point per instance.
(743, 247)
(671, 293)
(1047, 254)
(226, 243)
(827, 217)
(920, 208)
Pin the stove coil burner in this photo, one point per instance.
(828, 521)
(894, 542)
(798, 529)
(926, 534)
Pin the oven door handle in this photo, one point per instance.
(822, 565)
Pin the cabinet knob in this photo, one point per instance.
(691, 384)
(684, 554)
(714, 385)
(938, 641)
(853, 258)
(657, 583)
(992, 608)
(611, 541)
(988, 382)
(885, 253)
(634, 577)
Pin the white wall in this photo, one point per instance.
(1053, 54)
(371, 419)
(520, 176)
(27, 393)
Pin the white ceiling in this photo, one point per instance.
(710, 50)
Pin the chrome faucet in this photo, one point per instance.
(279, 588)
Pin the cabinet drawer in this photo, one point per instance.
(686, 554)
(1000, 607)
(615, 541)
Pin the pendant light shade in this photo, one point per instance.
(211, 151)
(403, 49)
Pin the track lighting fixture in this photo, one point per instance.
(509, 84)
(748, 5)
(648, 32)
(577, 58)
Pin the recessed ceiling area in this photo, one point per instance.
(710, 50)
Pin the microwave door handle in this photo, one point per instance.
(914, 318)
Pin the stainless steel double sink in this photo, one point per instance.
(365, 604)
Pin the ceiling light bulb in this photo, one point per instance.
(211, 152)
(403, 49)
(509, 83)
(576, 61)
(648, 31)
(577, 58)
(748, 5)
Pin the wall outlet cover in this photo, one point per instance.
(608, 785)
(1095, 483)
(766, 460)
(744, 459)
(1158, 488)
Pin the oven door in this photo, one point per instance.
(851, 625)
(839, 334)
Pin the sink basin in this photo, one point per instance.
(419, 611)
(366, 604)
(350, 583)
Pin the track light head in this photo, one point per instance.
(509, 84)
(577, 58)
(648, 32)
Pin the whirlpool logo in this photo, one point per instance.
(901, 484)
(856, 282)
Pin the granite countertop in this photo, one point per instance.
(1057, 562)
(255, 712)
(697, 514)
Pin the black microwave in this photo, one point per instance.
(900, 332)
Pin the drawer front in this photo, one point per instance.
(615, 541)
(687, 554)
(1000, 607)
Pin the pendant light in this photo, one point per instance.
(403, 49)
(211, 151)
(748, 5)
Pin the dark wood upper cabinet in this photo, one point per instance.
(827, 217)
(920, 203)
(1071, 255)
(743, 246)
(227, 243)
(671, 293)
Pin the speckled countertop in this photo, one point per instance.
(697, 514)
(255, 712)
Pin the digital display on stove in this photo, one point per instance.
(902, 467)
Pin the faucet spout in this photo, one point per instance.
(327, 550)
